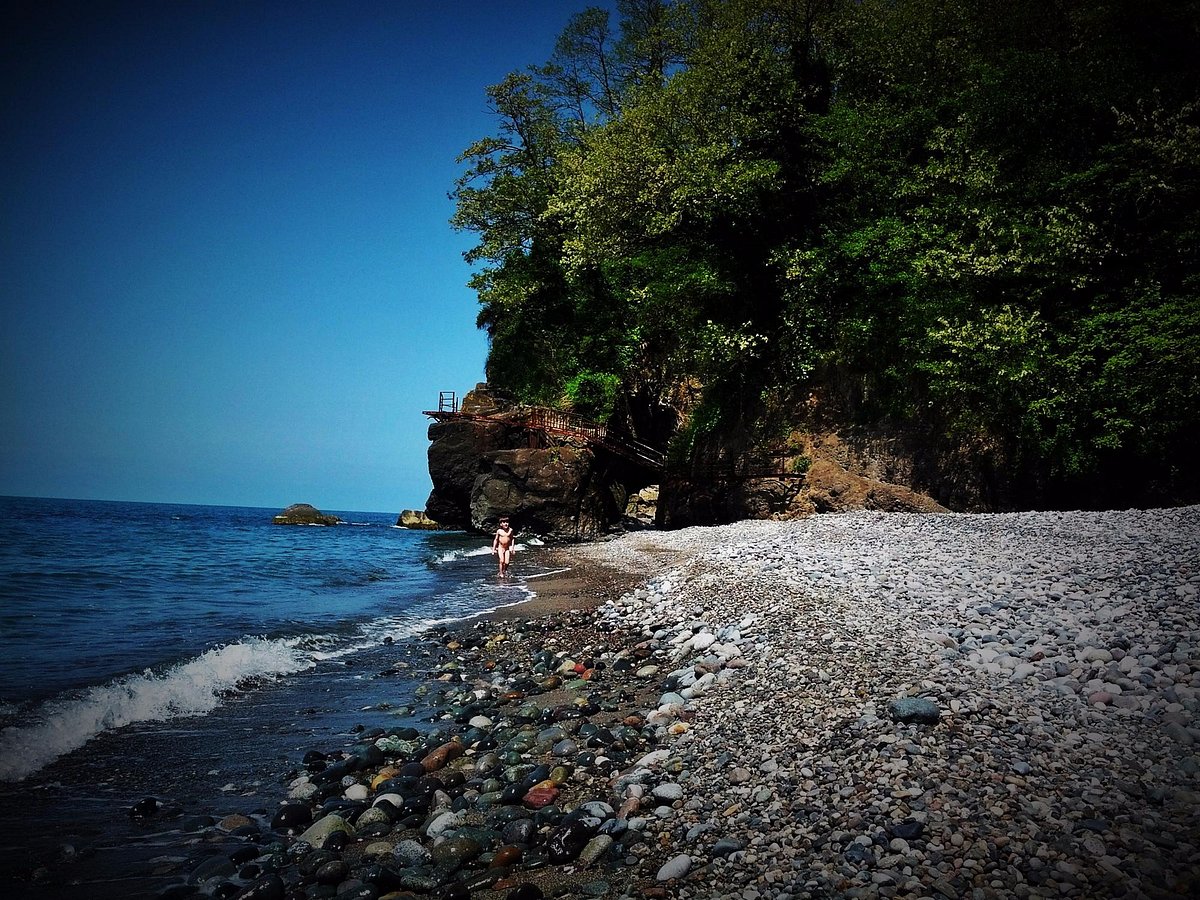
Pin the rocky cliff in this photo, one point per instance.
(485, 464)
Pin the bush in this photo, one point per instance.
(593, 394)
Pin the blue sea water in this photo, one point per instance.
(130, 631)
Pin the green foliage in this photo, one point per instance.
(800, 465)
(982, 219)
(593, 394)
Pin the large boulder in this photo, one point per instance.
(642, 508)
(554, 491)
(304, 514)
(456, 452)
(416, 518)
(485, 463)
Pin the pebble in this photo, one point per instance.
(675, 868)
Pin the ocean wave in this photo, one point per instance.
(450, 556)
(462, 553)
(198, 686)
(192, 688)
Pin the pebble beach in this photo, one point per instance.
(851, 705)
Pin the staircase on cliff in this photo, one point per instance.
(542, 420)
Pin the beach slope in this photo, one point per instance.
(925, 705)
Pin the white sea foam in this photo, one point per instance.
(196, 687)
(192, 688)
(463, 553)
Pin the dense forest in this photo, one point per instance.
(973, 223)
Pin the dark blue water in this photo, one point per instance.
(135, 633)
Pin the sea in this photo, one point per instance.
(193, 654)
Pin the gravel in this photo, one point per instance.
(1055, 747)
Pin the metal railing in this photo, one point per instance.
(562, 424)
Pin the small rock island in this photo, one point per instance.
(304, 514)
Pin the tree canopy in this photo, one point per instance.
(979, 220)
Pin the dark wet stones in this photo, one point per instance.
(214, 867)
(535, 858)
(525, 892)
(309, 864)
(914, 709)
(333, 872)
(568, 840)
(144, 808)
(291, 817)
(267, 887)
(519, 831)
(243, 855)
(456, 851)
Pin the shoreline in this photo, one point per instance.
(712, 712)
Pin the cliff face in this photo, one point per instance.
(484, 468)
(487, 464)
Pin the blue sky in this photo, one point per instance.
(226, 273)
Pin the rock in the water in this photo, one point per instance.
(914, 709)
(416, 518)
(143, 808)
(304, 514)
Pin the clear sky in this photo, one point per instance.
(226, 273)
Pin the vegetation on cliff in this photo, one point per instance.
(977, 222)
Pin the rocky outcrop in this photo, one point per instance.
(483, 468)
(641, 509)
(416, 518)
(458, 449)
(487, 464)
(304, 514)
(825, 486)
(561, 491)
